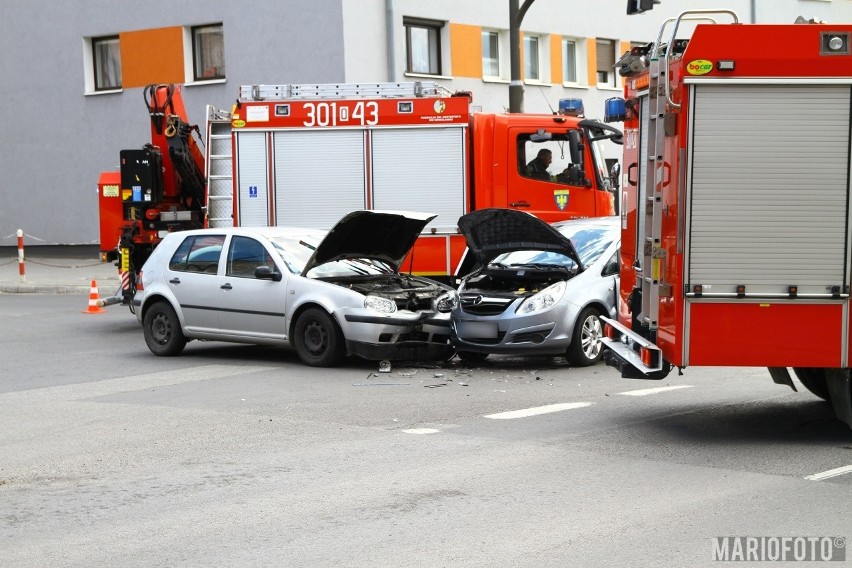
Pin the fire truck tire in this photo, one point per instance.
(163, 334)
(317, 339)
(586, 347)
(814, 380)
(472, 356)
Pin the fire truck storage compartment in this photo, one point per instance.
(252, 173)
(320, 175)
(769, 184)
(420, 169)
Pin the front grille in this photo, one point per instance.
(478, 304)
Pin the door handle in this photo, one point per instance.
(174, 281)
(519, 204)
(225, 286)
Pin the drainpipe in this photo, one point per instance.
(516, 86)
(391, 48)
(753, 11)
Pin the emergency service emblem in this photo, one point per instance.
(440, 106)
(560, 196)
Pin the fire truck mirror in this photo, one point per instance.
(615, 176)
(575, 147)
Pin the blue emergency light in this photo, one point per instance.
(571, 107)
(615, 110)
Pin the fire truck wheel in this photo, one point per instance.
(162, 330)
(586, 347)
(472, 356)
(814, 380)
(317, 339)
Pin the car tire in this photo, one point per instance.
(814, 380)
(472, 356)
(317, 339)
(162, 331)
(586, 347)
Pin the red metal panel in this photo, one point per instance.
(357, 113)
(765, 334)
(111, 209)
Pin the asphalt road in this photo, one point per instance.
(241, 456)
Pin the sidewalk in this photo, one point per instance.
(58, 276)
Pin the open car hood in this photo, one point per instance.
(492, 232)
(377, 235)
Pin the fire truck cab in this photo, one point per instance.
(735, 203)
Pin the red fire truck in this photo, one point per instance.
(305, 155)
(735, 203)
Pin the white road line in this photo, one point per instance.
(830, 473)
(421, 431)
(646, 392)
(537, 410)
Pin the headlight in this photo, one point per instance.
(544, 299)
(447, 302)
(379, 304)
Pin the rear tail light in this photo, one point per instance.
(610, 332)
(139, 282)
(649, 356)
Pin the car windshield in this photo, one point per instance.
(590, 242)
(296, 251)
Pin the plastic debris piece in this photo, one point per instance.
(384, 366)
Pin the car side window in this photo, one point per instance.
(245, 255)
(198, 254)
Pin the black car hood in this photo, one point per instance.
(377, 235)
(492, 232)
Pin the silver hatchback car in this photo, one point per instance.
(328, 295)
(537, 288)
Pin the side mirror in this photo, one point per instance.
(575, 146)
(615, 175)
(266, 273)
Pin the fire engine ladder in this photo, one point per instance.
(660, 104)
(415, 89)
(220, 187)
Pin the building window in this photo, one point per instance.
(532, 63)
(606, 62)
(490, 54)
(208, 52)
(423, 46)
(569, 61)
(106, 60)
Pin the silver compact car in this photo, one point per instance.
(537, 289)
(328, 295)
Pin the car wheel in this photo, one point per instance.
(814, 380)
(472, 356)
(163, 334)
(586, 347)
(317, 339)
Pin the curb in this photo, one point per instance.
(24, 288)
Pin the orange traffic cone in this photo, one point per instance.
(93, 301)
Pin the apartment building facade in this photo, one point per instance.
(73, 73)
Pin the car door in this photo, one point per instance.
(192, 278)
(250, 307)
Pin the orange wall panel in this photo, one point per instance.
(556, 59)
(152, 56)
(592, 60)
(466, 50)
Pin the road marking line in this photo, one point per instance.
(830, 473)
(646, 392)
(537, 410)
(421, 431)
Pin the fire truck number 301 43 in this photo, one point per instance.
(355, 113)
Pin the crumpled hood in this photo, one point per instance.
(492, 232)
(377, 235)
